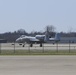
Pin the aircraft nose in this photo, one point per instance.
(18, 40)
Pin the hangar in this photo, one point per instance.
(68, 39)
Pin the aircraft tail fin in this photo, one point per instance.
(46, 37)
(57, 36)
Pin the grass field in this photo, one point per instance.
(26, 52)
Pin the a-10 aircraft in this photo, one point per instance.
(39, 39)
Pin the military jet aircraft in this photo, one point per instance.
(39, 39)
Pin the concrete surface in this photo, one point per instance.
(9, 46)
(38, 65)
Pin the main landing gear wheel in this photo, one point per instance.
(41, 45)
(31, 45)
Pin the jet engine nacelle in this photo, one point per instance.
(40, 37)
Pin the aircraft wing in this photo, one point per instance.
(33, 39)
(52, 39)
(30, 39)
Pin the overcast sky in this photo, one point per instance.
(36, 14)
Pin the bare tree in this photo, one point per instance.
(21, 31)
(50, 28)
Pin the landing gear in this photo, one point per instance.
(24, 45)
(31, 45)
(40, 44)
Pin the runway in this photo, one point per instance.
(38, 65)
(9, 46)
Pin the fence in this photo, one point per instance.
(58, 47)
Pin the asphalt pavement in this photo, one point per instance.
(38, 65)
